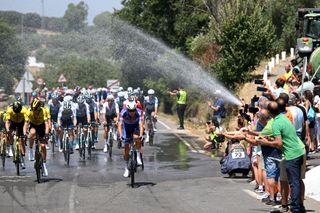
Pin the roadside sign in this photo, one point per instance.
(40, 81)
(113, 84)
(62, 79)
(28, 76)
(24, 86)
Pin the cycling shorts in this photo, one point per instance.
(14, 126)
(82, 120)
(40, 129)
(128, 132)
(67, 124)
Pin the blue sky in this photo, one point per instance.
(56, 8)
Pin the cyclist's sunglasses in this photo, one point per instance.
(132, 110)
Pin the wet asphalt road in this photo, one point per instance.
(174, 179)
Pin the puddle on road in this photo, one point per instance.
(175, 152)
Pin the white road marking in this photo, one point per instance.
(251, 193)
(163, 124)
(178, 136)
(72, 191)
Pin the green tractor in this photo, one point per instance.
(309, 42)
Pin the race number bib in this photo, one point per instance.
(237, 153)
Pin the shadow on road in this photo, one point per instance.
(139, 184)
(47, 180)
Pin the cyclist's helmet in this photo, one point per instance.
(36, 104)
(130, 89)
(131, 105)
(89, 97)
(80, 99)
(150, 92)
(121, 94)
(54, 96)
(18, 98)
(17, 106)
(67, 105)
(110, 97)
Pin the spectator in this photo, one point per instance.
(285, 138)
(311, 142)
(218, 108)
(181, 95)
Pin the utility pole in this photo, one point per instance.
(42, 14)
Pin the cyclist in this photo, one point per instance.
(47, 111)
(83, 116)
(54, 106)
(110, 113)
(16, 118)
(131, 125)
(38, 123)
(151, 109)
(67, 119)
(120, 100)
(94, 116)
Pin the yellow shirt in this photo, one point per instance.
(47, 110)
(39, 119)
(16, 117)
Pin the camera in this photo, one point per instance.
(262, 89)
(253, 110)
(258, 81)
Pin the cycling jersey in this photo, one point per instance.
(93, 108)
(47, 111)
(120, 101)
(150, 104)
(17, 117)
(2, 120)
(82, 111)
(66, 117)
(110, 111)
(139, 105)
(54, 110)
(130, 124)
(37, 118)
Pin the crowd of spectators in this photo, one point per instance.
(281, 130)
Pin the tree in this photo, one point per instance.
(12, 57)
(76, 16)
(245, 39)
(173, 21)
(81, 71)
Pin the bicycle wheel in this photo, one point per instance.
(83, 147)
(3, 152)
(80, 145)
(89, 145)
(17, 158)
(37, 165)
(110, 144)
(53, 141)
(142, 166)
(132, 171)
(68, 151)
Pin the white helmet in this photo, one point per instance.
(129, 89)
(150, 92)
(121, 94)
(131, 105)
(110, 97)
(120, 88)
(67, 105)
